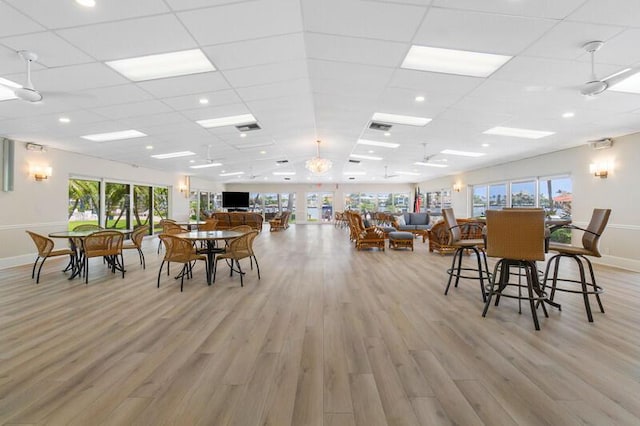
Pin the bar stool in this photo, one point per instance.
(517, 238)
(460, 244)
(590, 240)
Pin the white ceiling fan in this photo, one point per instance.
(386, 173)
(26, 92)
(595, 86)
(428, 160)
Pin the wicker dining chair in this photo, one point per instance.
(106, 244)
(45, 250)
(163, 223)
(238, 248)
(590, 240)
(136, 243)
(179, 250)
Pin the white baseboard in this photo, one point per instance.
(24, 259)
(617, 262)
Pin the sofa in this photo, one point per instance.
(233, 219)
(416, 223)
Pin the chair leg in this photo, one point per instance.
(86, 270)
(596, 289)
(160, 272)
(475, 250)
(215, 269)
(530, 271)
(257, 266)
(239, 272)
(490, 289)
(583, 284)
(459, 253)
(453, 265)
(39, 269)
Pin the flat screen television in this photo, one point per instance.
(235, 200)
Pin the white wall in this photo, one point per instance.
(42, 206)
(619, 192)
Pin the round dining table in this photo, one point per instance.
(73, 236)
(210, 238)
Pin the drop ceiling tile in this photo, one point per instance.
(217, 112)
(479, 32)
(261, 51)
(64, 13)
(184, 85)
(243, 21)
(11, 62)
(613, 12)
(13, 22)
(112, 95)
(221, 97)
(534, 8)
(622, 50)
(74, 78)
(52, 51)
(434, 82)
(154, 119)
(566, 40)
(117, 112)
(355, 50)
(113, 40)
(367, 19)
(275, 90)
(196, 4)
(265, 74)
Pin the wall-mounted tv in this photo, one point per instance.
(235, 200)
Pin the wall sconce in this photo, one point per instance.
(184, 186)
(40, 173)
(457, 187)
(600, 170)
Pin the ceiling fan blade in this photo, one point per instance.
(620, 76)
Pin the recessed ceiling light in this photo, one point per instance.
(86, 3)
(376, 143)
(243, 135)
(485, 145)
(355, 173)
(422, 163)
(630, 84)
(64, 120)
(371, 151)
(462, 153)
(192, 161)
(387, 133)
(231, 174)
(163, 65)
(419, 98)
(204, 166)
(173, 155)
(568, 114)
(114, 136)
(284, 173)
(203, 101)
(263, 152)
(149, 147)
(365, 157)
(406, 173)
(227, 121)
(517, 133)
(400, 119)
(450, 61)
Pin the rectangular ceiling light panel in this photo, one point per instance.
(163, 65)
(227, 121)
(231, 174)
(173, 155)
(400, 119)
(517, 133)
(114, 136)
(406, 173)
(630, 84)
(422, 163)
(462, 153)
(284, 173)
(355, 173)
(376, 143)
(366, 157)
(204, 166)
(450, 61)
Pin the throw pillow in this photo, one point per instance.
(366, 223)
(400, 220)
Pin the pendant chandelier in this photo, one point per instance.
(318, 165)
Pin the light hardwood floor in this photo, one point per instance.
(328, 336)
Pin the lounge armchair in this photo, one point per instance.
(280, 222)
(439, 234)
(364, 237)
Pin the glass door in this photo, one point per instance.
(117, 202)
(319, 207)
(142, 196)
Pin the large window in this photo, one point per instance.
(523, 194)
(160, 207)
(479, 204)
(497, 196)
(84, 202)
(366, 202)
(117, 204)
(142, 196)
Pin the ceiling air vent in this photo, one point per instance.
(601, 143)
(248, 127)
(352, 178)
(282, 161)
(354, 161)
(376, 125)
